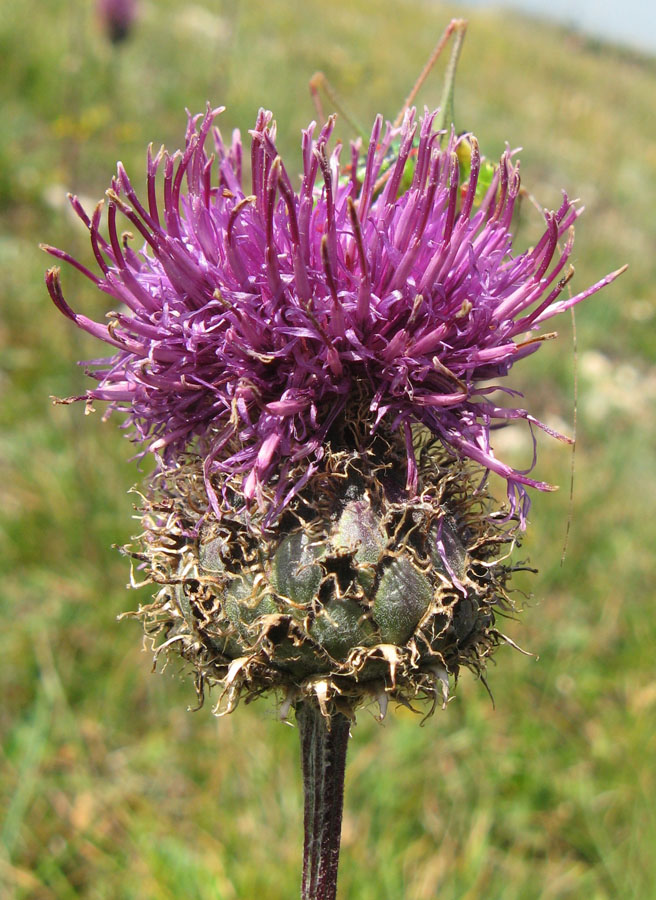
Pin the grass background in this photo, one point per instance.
(110, 789)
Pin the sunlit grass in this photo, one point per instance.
(110, 789)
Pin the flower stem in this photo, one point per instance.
(324, 742)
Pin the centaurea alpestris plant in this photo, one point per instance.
(316, 372)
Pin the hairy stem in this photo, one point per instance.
(324, 742)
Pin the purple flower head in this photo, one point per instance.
(117, 18)
(249, 323)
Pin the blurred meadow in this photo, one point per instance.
(110, 789)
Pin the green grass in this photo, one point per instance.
(110, 789)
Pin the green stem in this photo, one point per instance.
(324, 742)
(446, 116)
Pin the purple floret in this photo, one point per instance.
(249, 323)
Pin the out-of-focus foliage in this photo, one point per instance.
(109, 787)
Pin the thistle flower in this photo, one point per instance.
(117, 18)
(316, 372)
(256, 322)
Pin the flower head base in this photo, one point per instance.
(251, 324)
(361, 592)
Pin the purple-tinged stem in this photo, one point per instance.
(324, 742)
